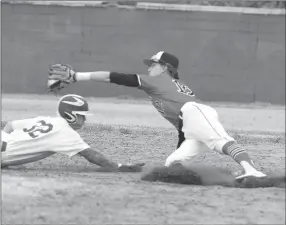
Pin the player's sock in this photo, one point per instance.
(240, 155)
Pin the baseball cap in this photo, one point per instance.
(164, 58)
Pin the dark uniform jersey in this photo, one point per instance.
(168, 95)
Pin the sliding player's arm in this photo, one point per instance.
(5, 135)
(8, 128)
(99, 159)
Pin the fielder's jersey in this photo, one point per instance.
(167, 95)
(44, 134)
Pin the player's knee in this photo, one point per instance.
(187, 151)
(178, 159)
(170, 160)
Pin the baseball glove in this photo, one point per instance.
(60, 76)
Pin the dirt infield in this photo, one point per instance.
(62, 191)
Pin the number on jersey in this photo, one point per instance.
(159, 106)
(183, 88)
(40, 128)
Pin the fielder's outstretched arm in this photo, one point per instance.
(66, 75)
(130, 80)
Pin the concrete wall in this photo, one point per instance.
(223, 56)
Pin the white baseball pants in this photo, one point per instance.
(202, 128)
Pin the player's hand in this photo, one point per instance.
(131, 168)
(60, 76)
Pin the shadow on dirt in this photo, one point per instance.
(66, 169)
(206, 176)
(70, 169)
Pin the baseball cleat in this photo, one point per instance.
(256, 174)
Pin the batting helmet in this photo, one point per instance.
(71, 105)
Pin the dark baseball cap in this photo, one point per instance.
(163, 58)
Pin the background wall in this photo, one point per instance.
(223, 56)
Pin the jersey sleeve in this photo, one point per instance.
(142, 82)
(126, 79)
(147, 84)
(20, 124)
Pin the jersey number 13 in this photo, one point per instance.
(183, 88)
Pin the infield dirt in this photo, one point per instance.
(59, 190)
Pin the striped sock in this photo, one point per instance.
(238, 153)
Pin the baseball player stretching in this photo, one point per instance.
(30, 140)
(197, 124)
